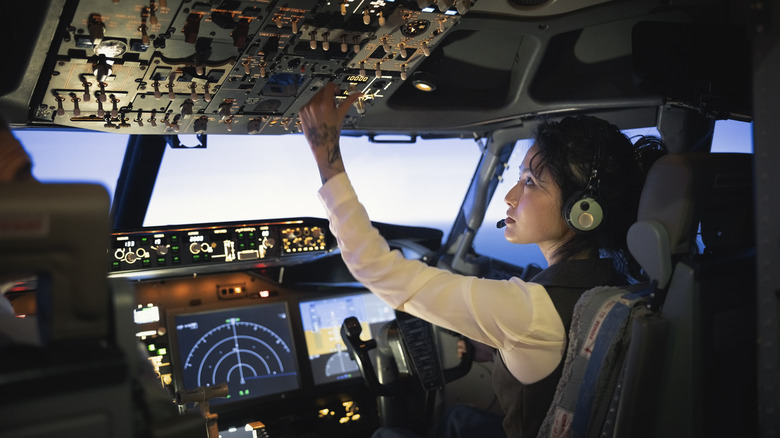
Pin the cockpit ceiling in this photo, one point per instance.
(246, 67)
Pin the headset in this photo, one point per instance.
(582, 211)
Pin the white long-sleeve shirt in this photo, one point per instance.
(516, 317)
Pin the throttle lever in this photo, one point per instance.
(358, 351)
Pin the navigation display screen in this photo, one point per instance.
(322, 321)
(249, 348)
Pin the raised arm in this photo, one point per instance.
(321, 120)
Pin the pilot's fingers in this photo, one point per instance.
(343, 107)
(321, 107)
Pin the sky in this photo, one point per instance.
(266, 177)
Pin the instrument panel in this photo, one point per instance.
(211, 248)
(239, 312)
(219, 67)
(276, 349)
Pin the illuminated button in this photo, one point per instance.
(146, 263)
(174, 238)
(144, 241)
(160, 261)
(176, 260)
(175, 248)
(115, 265)
(206, 256)
(196, 258)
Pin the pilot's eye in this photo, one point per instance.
(528, 181)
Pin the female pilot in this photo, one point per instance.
(576, 197)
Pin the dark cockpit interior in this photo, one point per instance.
(254, 327)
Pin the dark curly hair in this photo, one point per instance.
(567, 149)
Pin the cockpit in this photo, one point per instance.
(174, 275)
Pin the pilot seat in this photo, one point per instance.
(82, 373)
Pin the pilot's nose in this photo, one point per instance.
(512, 196)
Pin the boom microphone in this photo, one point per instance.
(501, 223)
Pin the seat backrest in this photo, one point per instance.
(615, 392)
(598, 339)
(699, 380)
(85, 375)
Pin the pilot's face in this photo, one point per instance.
(534, 213)
(15, 164)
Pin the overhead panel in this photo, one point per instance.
(218, 67)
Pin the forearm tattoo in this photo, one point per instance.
(326, 137)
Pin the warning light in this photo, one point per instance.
(264, 293)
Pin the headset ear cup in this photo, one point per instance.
(583, 213)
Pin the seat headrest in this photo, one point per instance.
(680, 192)
(59, 233)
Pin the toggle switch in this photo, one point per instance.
(402, 49)
(171, 92)
(100, 111)
(360, 106)
(224, 109)
(142, 28)
(75, 100)
(60, 109)
(356, 44)
(175, 123)
(313, 42)
(153, 120)
(263, 70)
(86, 86)
(114, 109)
(325, 42)
(206, 92)
(102, 93)
(152, 12)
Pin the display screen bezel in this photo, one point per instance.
(259, 314)
(370, 311)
